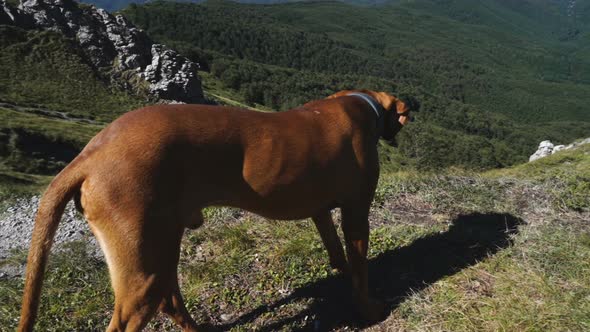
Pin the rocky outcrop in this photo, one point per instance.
(113, 46)
(169, 75)
(546, 148)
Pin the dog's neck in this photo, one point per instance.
(377, 108)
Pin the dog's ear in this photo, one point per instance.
(386, 100)
(407, 103)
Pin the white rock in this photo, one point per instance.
(558, 148)
(544, 150)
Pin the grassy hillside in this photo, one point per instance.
(38, 144)
(487, 87)
(455, 251)
(51, 103)
(46, 70)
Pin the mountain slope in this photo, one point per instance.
(478, 80)
(51, 101)
(517, 73)
(44, 68)
(486, 85)
(506, 250)
(120, 4)
(68, 70)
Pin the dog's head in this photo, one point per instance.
(397, 110)
(397, 113)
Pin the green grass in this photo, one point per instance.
(539, 284)
(37, 144)
(565, 173)
(458, 251)
(77, 294)
(32, 146)
(54, 129)
(16, 184)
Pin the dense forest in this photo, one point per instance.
(119, 4)
(490, 91)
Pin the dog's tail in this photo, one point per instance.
(52, 205)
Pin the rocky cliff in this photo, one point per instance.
(546, 148)
(120, 52)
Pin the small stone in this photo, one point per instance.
(225, 317)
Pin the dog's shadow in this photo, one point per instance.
(396, 273)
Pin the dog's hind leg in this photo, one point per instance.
(134, 306)
(325, 225)
(142, 257)
(173, 306)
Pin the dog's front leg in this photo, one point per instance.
(355, 224)
(325, 225)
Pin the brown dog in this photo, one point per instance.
(146, 177)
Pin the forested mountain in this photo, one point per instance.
(494, 77)
(119, 4)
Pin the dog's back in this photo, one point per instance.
(211, 155)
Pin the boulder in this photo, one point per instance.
(545, 149)
(171, 75)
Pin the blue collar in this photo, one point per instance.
(377, 108)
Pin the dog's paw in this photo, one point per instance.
(341, 267)
(342, 270)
